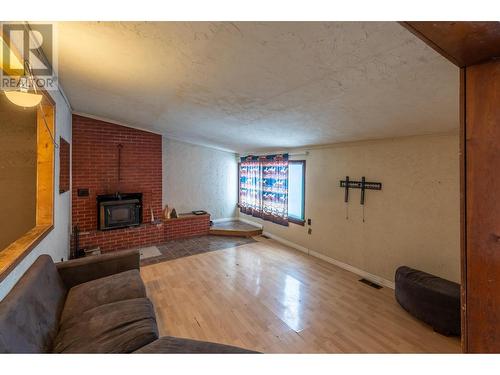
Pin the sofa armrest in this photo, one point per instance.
(78, 271)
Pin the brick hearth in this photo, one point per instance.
(95, 167)
(146, 234)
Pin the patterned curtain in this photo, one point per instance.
(264, 187)
(250, 186)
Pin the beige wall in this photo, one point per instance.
(199, 178)
(17, 171)
(413, 221)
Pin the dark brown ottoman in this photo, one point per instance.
(433, 300)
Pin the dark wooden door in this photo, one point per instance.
(482, 180)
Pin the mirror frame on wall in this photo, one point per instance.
(14, 253)
(64, 163)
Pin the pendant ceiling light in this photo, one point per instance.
(22, 96)
(25, 95)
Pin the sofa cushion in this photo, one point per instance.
(176, 345)
(29, 314)
(119, 287)
(118, 327)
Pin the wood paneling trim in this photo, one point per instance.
(431, 43)
(482, 137)
(463, 213)
(13, 254)
(45, 166)
(463, 43)
(297, 221)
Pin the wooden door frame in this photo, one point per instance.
(463, 215)
(465, 44)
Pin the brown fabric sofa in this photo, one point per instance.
(90, 305)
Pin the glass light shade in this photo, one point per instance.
(24, 99)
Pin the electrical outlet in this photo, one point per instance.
(309, 231)
(308, 221)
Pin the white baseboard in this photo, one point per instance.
(225, 219)
(250, 222)
(369, 276)
(286, 242)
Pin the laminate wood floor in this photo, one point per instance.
(270, 298)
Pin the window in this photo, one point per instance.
(272, 188)
(296, 191)
(263, 187)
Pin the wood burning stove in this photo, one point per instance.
(119, 210)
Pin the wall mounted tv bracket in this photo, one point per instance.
(363, 185)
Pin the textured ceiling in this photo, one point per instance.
(259, 86)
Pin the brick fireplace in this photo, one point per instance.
(111, 160)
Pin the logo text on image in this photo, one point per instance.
(34, 45)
